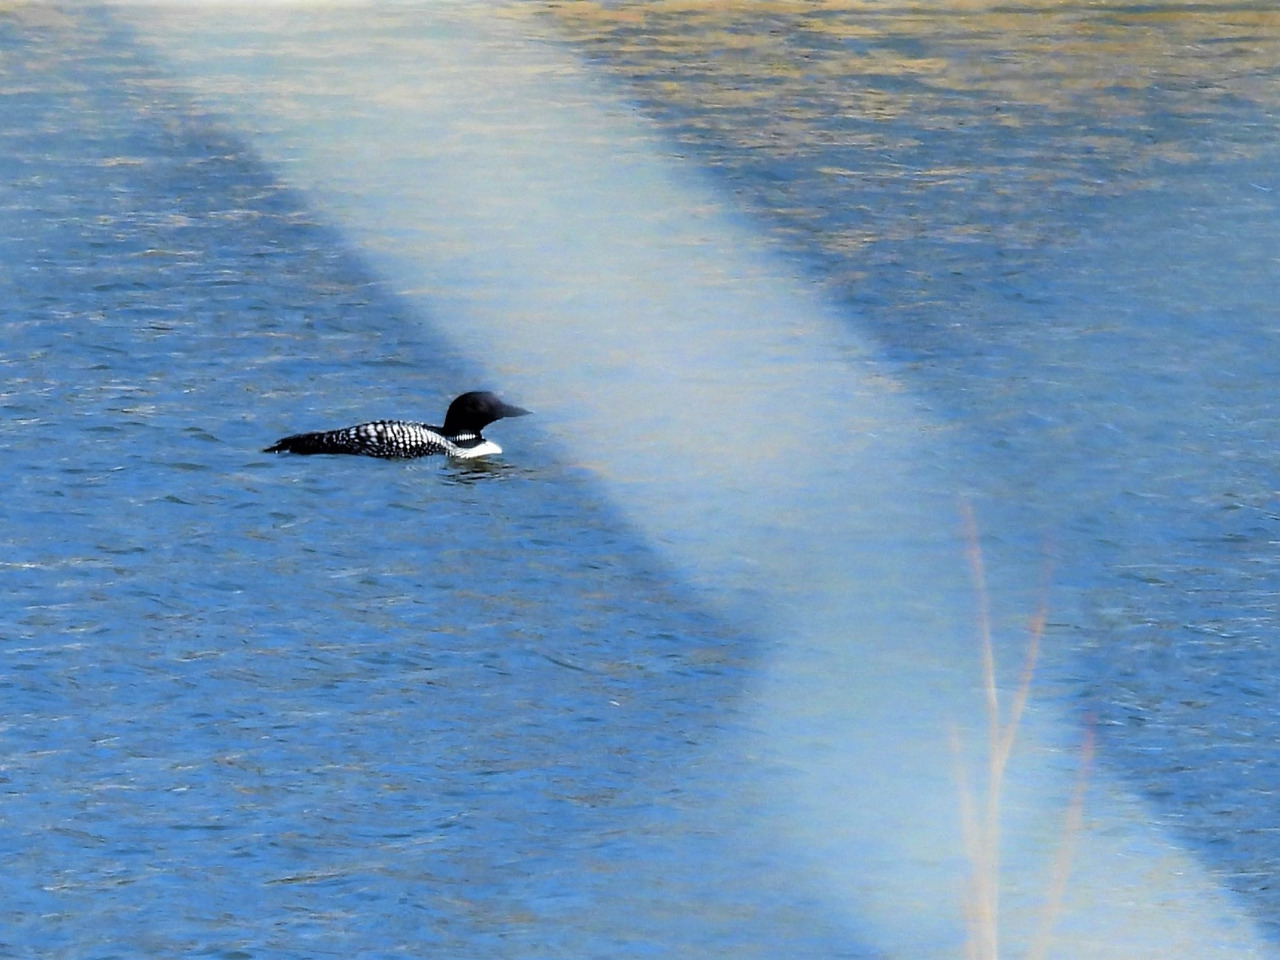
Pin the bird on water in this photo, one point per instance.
(396, 439)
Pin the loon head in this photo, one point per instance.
(472, 412)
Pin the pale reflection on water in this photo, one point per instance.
(1063, 219)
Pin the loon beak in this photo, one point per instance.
(508, 410)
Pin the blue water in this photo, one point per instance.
(256, 708)
(264, 706)
(1063, 223)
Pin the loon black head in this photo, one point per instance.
(472, 412)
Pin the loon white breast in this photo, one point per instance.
(393, 439)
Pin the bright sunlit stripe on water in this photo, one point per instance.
(738, 424)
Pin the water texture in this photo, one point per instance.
(592, 268)
(280, 708)
(264, 707)
(1062, 220)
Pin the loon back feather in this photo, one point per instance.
(459, 437)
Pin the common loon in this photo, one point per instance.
(459, 437)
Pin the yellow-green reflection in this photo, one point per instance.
(869, 82)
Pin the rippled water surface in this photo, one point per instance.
(1064, 221)
(280, 707)
(253, 707)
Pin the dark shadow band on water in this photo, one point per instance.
(257, 694)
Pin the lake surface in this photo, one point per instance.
(263, 707)
(1063, 222)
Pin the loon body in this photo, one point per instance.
(392, 439)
